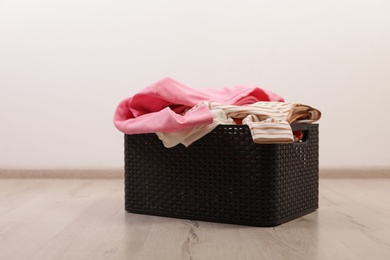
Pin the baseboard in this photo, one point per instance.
(349, 173)
(109, 173)
(117, 173)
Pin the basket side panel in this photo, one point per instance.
(223, 177)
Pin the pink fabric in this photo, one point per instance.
(161, 106)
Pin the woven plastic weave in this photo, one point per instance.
(223, 177)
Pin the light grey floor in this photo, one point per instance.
(84, 219)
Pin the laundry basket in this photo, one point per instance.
(223, 177)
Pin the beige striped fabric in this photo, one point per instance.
(270, 122)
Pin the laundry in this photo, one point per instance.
(269, 122)
(180, 114)
(298, 135)
(163, 107)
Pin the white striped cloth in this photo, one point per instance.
(269, 122)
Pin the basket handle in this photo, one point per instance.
(301, 131)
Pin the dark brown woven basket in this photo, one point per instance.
(223, 177)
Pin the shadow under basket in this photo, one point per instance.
(223, 177)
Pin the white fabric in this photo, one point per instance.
(269, 122)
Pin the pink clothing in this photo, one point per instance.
(162, 106)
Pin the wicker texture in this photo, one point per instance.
(223, 177)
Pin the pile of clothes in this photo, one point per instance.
(180, 114)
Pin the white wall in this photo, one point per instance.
(65, 65)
